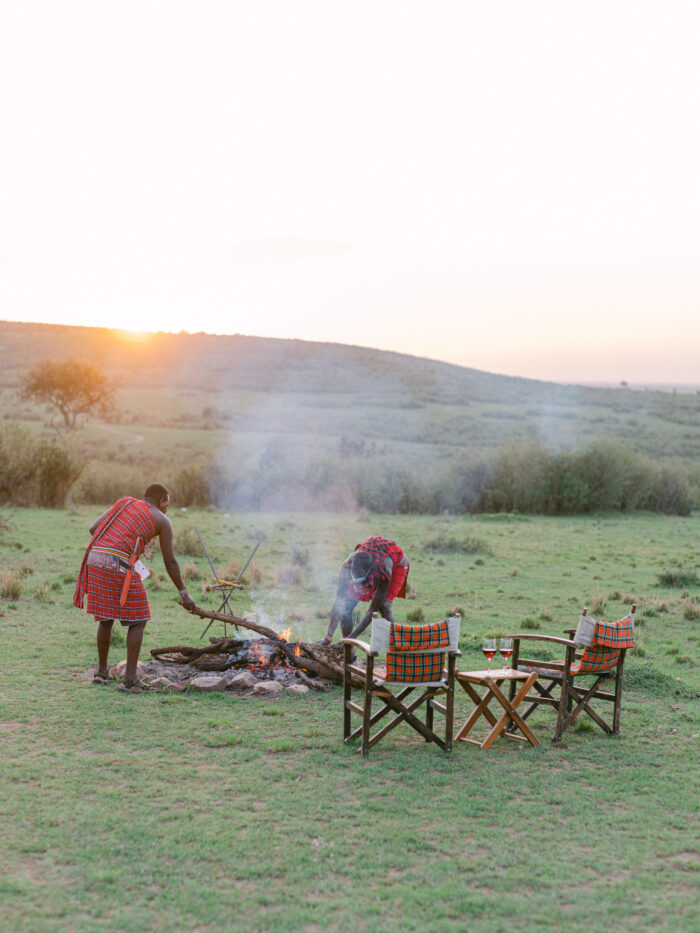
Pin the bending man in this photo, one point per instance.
(114, 590)
(375, 572)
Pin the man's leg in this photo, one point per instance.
(134, 637)
(340, 613)
(104, 640)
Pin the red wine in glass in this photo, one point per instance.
(489, 648)
(506, 647)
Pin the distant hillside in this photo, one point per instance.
(256, 384)
(205, 361)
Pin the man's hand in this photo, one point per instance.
(187, 602)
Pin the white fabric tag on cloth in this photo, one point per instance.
(142, 570)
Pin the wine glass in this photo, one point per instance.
(506, 648)
(489, 649)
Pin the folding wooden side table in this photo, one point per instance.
(492, 681)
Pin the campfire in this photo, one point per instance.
(266, 664)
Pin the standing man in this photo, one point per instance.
(375, 572)
(114, 590)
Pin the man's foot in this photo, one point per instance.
(326, 640)
(101, 677)
(133, 686)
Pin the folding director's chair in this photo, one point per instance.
(414, 660)
(594, 648)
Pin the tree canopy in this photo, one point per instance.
(72, 388)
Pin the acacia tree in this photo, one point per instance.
(72, 389)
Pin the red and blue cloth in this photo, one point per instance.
(127, 520)
(104, 588)
(609, 639)
(379, 549)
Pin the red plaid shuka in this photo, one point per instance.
(414, 667)
(104, 588)
(608, 641)
(419, 637)
(379, 549)
(127, 520)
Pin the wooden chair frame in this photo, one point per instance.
(571, 699)
(373, 685)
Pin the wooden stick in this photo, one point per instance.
(234, 620)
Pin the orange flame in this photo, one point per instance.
(297, 650)
(256, 656)
(286, 633)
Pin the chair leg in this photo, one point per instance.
(429, 716)
(450, 703)
(618, 693)
(367, 706)
(347, 692)
(563, 708)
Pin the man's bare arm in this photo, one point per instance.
(374, 606)
(165, 537)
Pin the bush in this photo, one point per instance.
(597, 604)
(10, 584)
(678, 578)
(691, 608)
(103, 483)
(415, 615)
(187, 543)
(57, 473)
(43, 593)
(190, 487)
(190, 571)
(605, 475)
(34, 473)
(457, 546)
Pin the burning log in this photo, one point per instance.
(320, 660)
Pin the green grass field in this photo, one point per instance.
(217, 813)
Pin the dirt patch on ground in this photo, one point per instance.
(685, 861)
(17, 725)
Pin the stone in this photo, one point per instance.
(299, 689)
(206, 683)
(243, 680)
(160, 682)
(118, 670)
(268, 688)
(175, 687)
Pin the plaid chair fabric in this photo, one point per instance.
(615, 634)
(419, 637)
(417, 661)
(609, 640)
(414, 667)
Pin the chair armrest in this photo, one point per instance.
(552, 639)
(362, 645)
(456, 653)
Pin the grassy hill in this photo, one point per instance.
(185, 399)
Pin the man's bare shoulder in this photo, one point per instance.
(162, 521)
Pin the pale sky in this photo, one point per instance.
(513, 186)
